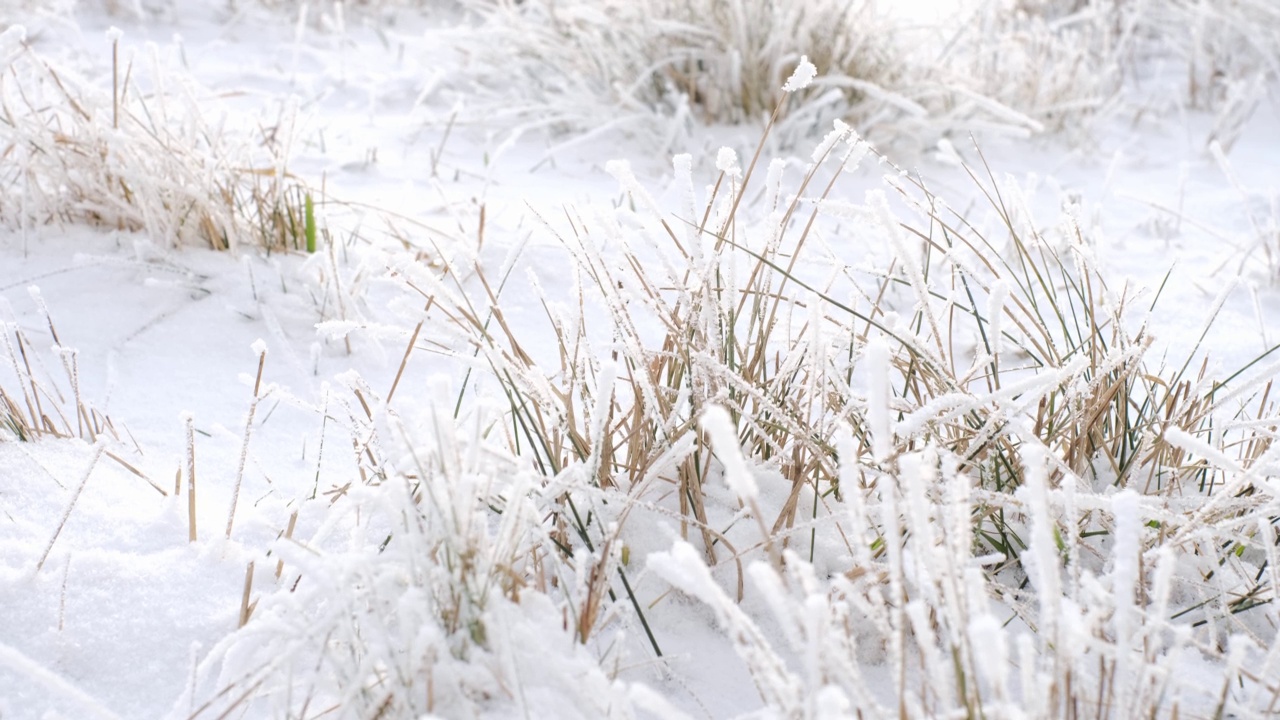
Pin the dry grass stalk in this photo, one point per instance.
(258, 395)
(98, 449)
(246, 607)
(288, 535)
(188, 422)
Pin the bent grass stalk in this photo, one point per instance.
(258, 396)
(246, 607)
(99, 448)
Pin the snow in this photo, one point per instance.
(878, 397)
(727, 162)
(717, 423)
(238, 500)
(802, 77)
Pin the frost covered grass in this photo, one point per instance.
(954, 467)
(439, 590)
(592, 65)
(589, 66)
(36, 405)
(722, 61)
(911, 461)
(1215, 56)
(946, 482)
(143, 149)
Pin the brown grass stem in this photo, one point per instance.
(98, 449)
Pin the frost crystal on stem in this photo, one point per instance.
(803, 76)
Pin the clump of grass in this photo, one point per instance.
(35, 405)
(591, 66)
(979, 395)
(451, 601)
(1065, 62)
(156, 160)
(950, 463)
(1062, 69)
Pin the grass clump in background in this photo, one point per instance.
(1067, 62)
(590, 66)
(726, 60)
(127, 155)
(596, 65)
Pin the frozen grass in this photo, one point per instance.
(589, 66)
(955, 470)
(727, 60)
(962, 472)
(37, 402)
(427, 593)
(35, 405)
(945, 482)
(597, 65)
(1066, 61)
(142, 149)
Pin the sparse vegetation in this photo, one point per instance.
(915, 461)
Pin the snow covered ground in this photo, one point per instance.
(369, 533)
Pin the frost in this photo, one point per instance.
(727, 162)
(948, 154)
(724, 439)
(803, 76)
(831, 703)
(987, 632)
(995, 314)
(626, 177)
(1127, 554)
(1043, 551)
(878, 398)
(840, 130)
(773, 183)
(259, 347)
(682, 164)
(114, 34)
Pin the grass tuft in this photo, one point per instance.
(965, 432)
(139, 157)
